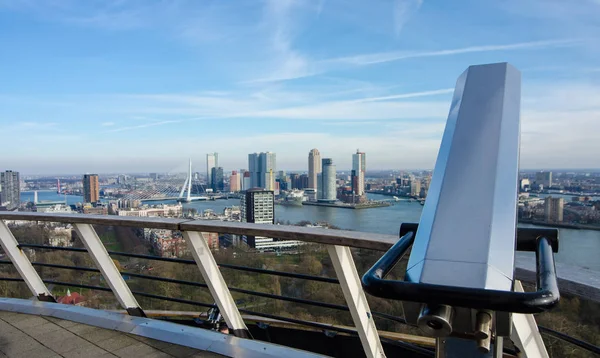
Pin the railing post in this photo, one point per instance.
(341, 257)
(525, 334)
(215, 282)
(22, 264)
(105, 264)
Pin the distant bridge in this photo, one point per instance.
(168, 190)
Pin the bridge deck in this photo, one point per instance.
(23, 335)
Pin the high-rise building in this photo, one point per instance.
(253, 169)
(553, 209)
(216, 177)
(327, 189)
(524, 184)
(359, 167)
(246, 181)
(10, 192)
(303, 181)
(314, 168)
(415, 187)
(262, 168)
(234, 182)
(543, 178)
(267, 170)
(91, 188)
(257, 206)
(212, 161)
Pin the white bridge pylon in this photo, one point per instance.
(187, 187)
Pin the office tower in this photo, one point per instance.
(212, 161)
(314, 168)
(262, 168)
(327, 188)
(257, 206)
(216, 177)
(553, 209)
(267, 170)
(91, 188)
(154, 176)
(415, 187)
(303, 181)
(246, 181)
(253, 169)
(10, 192)
(234, 182)
(359, 167)
(543, 178)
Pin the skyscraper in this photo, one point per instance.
(257, 206)
(10, 192)
(91, 188)
(359, 167)
(543, 178)
(327, 188)
(262, 168)
(246, 181)
(212, 161)
(553, 209)
(217, 179)
(253, 169)
(267, 170)
(314, 167)
(415, 186)
(234, 182)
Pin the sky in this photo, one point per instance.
(142, 85)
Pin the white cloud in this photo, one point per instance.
(403, 11)
(375, 58)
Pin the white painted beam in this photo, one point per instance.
(215, 282)
(341, 257)
(22, 264)
(106, 265)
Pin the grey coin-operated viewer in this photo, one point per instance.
(460, 274)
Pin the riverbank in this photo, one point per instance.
(561, 225)
(367, 205)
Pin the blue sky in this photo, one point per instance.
(141, 85)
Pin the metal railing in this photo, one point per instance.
(338, 243)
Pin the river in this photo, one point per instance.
(577, 247)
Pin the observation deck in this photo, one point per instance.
(27, 322)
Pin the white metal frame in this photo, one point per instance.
(109, 270)
(215, 282)
(345, 269)
(23, 265)
(525, 333)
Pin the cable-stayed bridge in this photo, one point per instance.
(170, 189)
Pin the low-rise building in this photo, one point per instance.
(164, 210)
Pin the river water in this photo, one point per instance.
(577, 247)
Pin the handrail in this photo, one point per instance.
(308, 234)
(372, 241)
(544, 298)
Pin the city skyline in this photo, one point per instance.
(127, 86)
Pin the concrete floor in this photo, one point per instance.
(23, 335)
